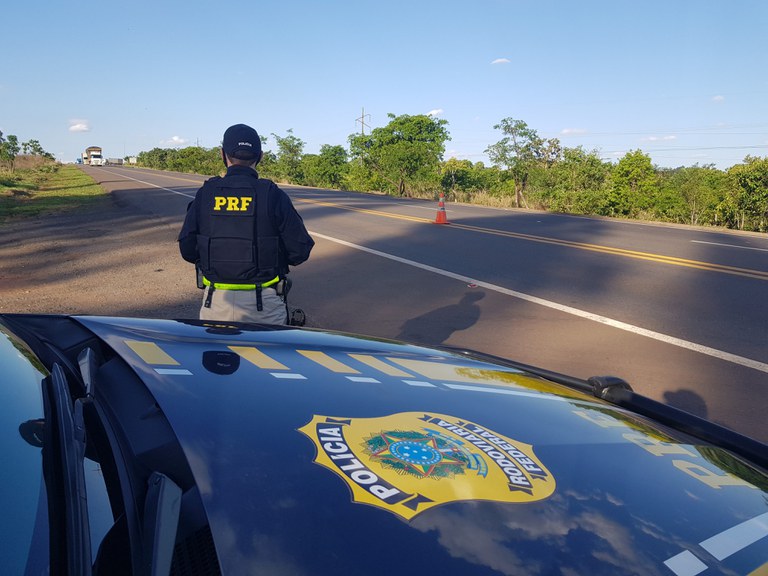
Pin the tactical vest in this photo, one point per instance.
(237, 240)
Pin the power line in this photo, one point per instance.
(696, 148)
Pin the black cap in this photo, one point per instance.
(242, 142)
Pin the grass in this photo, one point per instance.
(46, 189)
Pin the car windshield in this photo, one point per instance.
(23, 523)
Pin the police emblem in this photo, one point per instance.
(409, 462)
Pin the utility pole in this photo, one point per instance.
(362, 121)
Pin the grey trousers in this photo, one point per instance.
(240, 306)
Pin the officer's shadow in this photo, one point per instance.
(437, 326)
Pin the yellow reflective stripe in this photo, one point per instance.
(220, 286)
(327, 362)
(151, 353)
(258, 358)
(381, 366)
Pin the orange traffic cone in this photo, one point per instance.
(441, 218)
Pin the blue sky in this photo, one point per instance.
(684, 81)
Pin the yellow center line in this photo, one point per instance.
(660, 258)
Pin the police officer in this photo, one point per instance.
(242, 232)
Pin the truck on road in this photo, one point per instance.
(93, 156)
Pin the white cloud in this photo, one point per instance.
(79, 126)
(718, 99)
(501, 61)
(572, 131)
(435, 112)
(175, 141)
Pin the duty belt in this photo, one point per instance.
(223, 286)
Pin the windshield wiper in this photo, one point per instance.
(619, 393)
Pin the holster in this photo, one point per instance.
(283, 287)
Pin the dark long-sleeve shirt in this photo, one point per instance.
(295, 242)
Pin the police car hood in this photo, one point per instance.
(321, 453)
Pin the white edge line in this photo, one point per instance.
(156, 186)
(729, 245)
(701, 349)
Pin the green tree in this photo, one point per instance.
(457, 175)
(695, 191)
(154, 158)
(266, 167)
(750, 198)
(9, 149)
(328, 169)
(634, 186)
(405, 154)
(489, 179)
(33, 147)
(361, 176)
(288, 159)
(200, 160)
(519, 152)
(578, 182)
(192, 159)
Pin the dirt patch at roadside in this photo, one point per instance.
(101, 260)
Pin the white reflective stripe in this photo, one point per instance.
(722, 545)
(173, 371)
(685, 564)
(363, 379)
(503, 391)
(419, 383)
(737, 538)
(288, 376)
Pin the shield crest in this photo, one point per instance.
(409, 462)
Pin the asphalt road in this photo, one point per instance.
(678, 312)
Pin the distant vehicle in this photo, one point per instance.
(93, 156)
(113, 162)
(79, 160)
(140, 446)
